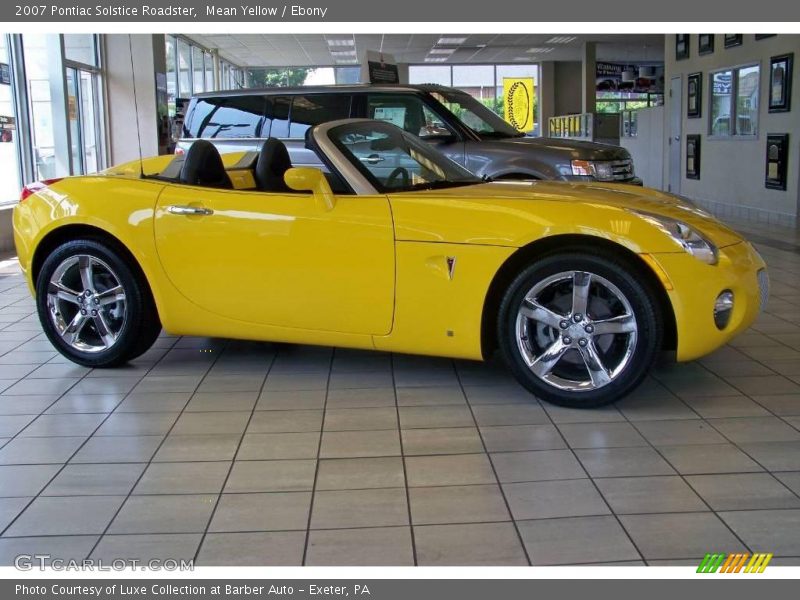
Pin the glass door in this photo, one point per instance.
(90, 128)
(74, 121)
(82, 118)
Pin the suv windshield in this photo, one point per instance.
(396, 161)
(475, 115)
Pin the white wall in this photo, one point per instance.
(122, 119)
(732, 171)
(647, 148)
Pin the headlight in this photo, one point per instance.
(600, 170)
(684, 235)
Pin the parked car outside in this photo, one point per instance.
(457, 124)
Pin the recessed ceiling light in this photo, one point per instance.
(335, 53)
(341, 42)
(538, 50)
(522, 59)
(562, 39)
(441, 50)
(451, 41)
(346, 61)
(435, 58)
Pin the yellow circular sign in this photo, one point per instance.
(519, 106)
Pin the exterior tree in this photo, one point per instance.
(286, 77)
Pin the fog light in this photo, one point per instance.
(723, 307)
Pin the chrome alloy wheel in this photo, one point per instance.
(576, 331)
(86, 303)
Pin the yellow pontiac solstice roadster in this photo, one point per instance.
(390, 247)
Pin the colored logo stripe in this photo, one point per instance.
(711, 563)
(734, 562)
(758, 563)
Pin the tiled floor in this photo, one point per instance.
(281, 455)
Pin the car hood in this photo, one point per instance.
(593, 196)
(569, 149)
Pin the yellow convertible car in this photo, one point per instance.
(391, 247)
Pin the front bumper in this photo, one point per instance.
(696, 286)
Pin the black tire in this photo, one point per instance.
(141, 324)
(641, 298)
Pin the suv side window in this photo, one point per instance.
(278, 112)
(314, 109)
(409, 112)
(226, 117)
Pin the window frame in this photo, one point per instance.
(734, 108)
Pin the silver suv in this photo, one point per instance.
(453, 121)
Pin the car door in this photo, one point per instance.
(280, 258)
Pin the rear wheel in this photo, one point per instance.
(579, 330)
(95, 309)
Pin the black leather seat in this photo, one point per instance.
(203, 166)
(272, 164)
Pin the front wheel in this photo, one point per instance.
(579, 330)
(94, 307)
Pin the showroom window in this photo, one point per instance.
(172, 79)
(299, 76)
(198, 82)
(483, 82)
(9, 129)
(40, 107)
(208, 62)
(439, 75)
(184, 70)
(190, 70)
(734, 102)
(81, 48)
(51, 104)
(84, 102)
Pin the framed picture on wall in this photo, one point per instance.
(777, 159)
(693, 156)
(733, 39)
(780, 82)
(705, 43)
(694, 100)
(681, 46)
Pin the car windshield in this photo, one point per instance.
(475, 115)
(396, 161)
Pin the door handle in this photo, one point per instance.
(373, 159)
(189, 210)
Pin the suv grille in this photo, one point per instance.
(622, 170)
(763, 289)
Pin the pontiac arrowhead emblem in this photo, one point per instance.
(451, 266)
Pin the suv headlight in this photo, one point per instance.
(600, 170)
(688, 238)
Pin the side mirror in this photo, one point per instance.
(307, 179)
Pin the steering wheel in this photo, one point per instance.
(398, 173)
